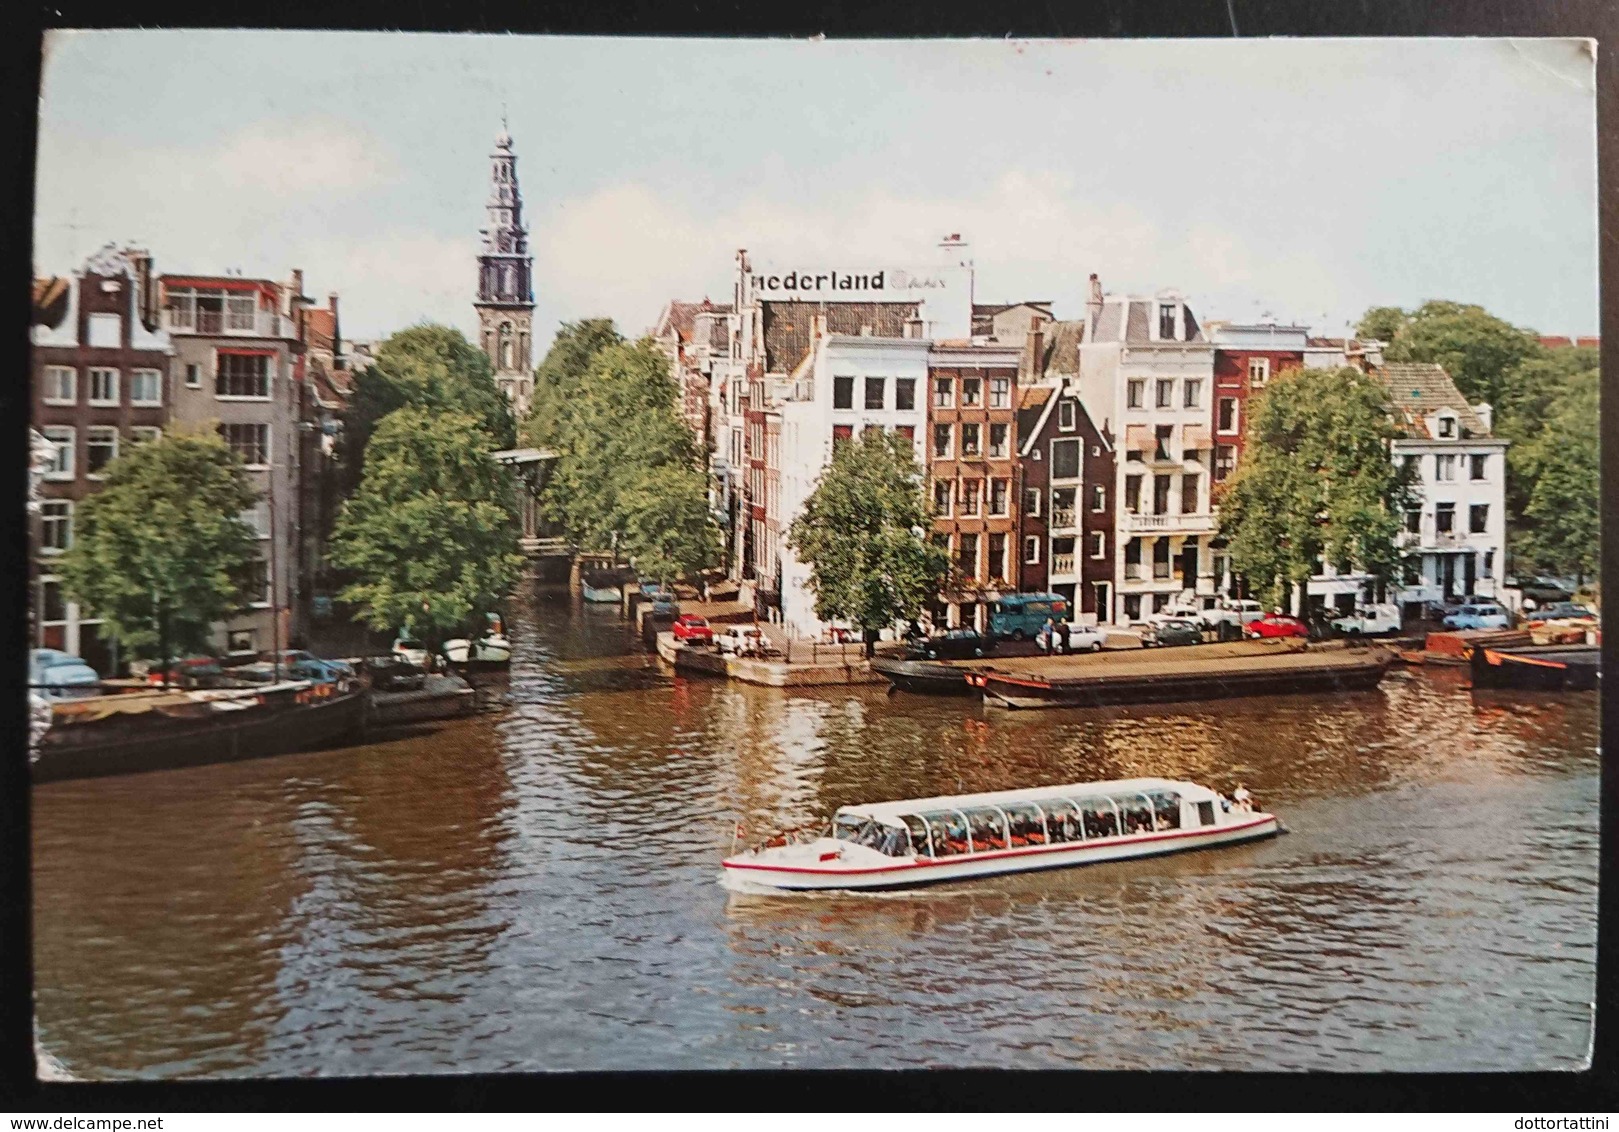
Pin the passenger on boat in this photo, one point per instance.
(1243, 799)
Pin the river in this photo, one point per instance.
(538, 888)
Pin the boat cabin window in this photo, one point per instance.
(895, 842)
(1166, 807)
(919, 834)
(948, 830)
(1205, 813)
(1062, 820)
(1137, 814)
(873, 835)
(1100, 818)
(988, 827)
(1027, 823)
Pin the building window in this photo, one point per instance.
(1098, 497)
(1166, 392)
(1166, 321)
(1132, 604)
(106, 331)
(944, 392)
(941, 498)
(1447, 427)
(1478, 465)
(1162, 434)
(1189, 486)
(943, 441)
(1098, 544)
(1031, 550)
(103, 386)
(969, 440)
(1031, 502)
(997, 557)
(239, 642)
(1413, 467)
(144, 434)
(193, 376)
(972, 392)
(876, 392)
(146, 387)
(100, 448)
(1444, 468)
(1065, 414)
(840, 433)
(1258, 371)
(1413, 519)
(1132, 561)
(1065, 459)
(1136, 392)
(1444, 517)
(906, 431)
(1062, 507)
(999, 441)
(843, 392)
(1411, 571)
(1160, 495)
(243, 375)
(905, 393)
(239, 311)
(1193, 390)
(1228, 414)
(1478, 518)
(967, 556)
(1489, 563)
(65, 441)
(55, 526)
(1000, 492)
(970, 491)
(1160, 559)
(61, 385)
(249, 441)
(1000, 392)
(1225, 462)
(1132, 494)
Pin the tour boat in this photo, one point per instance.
(928, 840)
(493, 649)
(603, 595)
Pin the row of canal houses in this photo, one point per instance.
(122, 355)
(1084, 457)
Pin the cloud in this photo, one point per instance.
(299, 157)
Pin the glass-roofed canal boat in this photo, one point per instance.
(928, 840)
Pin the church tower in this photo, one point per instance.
(505, 302)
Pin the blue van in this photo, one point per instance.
(1022, 616)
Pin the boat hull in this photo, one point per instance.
(1011, 691)
(603, 596)
(480, 654)
(195, 743)
(926, 871)
(926, 677)
(1545, 668)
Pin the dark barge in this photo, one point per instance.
(125, 734)
(929, 677)
(1544, 667)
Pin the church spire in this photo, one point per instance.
(505, 299)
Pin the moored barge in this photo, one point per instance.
(961, 837)
(1544, 667)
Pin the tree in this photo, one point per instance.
(863, 534)
(630, 473)
(160, 553)
(561, 374)
(1316, 481)
(1561, 521)
(427, 366)
(432, 532)
(1477, 349)
(1382, 323)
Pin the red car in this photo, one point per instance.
(693, 629)
(1276, 625)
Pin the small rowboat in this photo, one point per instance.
(928, 840)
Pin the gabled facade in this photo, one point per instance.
(1246, 357)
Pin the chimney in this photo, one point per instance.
(1093, 306)
(1037, 345)
(331, 301)
(297, 282)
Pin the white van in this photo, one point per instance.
(1369, 621)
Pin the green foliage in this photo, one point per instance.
(1477, 349)
(429, 367)
(561, 374)
(160, 552)
(630, 473)
(863, 533)
(432, 532)
(1560, 527)
(1315, 480)
(1381, 323)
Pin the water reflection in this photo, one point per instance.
(537, 888)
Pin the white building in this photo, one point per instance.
(1146, 373)
(845, 385)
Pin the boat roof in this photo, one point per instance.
(888, 811)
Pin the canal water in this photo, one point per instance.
(538, 888)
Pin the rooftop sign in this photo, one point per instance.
(863, 284)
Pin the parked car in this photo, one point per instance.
(1233, 613)
(303, 665)
(953, 644)
(1543, 589)
(1173, 631)
(1369, 621)
(391, 670)
(1478, 617)
(58, 675)
(693, 630)
(743, 640)
(1276, 625)
(414, 652)
(1560, 611)
(664, 604)
(1085, 638)
(193, 672)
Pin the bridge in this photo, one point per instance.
(540, 539)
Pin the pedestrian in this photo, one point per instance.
(1063, 632)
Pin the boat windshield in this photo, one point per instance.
(888, 839)
(409, 643)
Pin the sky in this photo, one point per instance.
(1300, 180)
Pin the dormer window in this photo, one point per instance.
(1447, 427)
(1166, 321)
